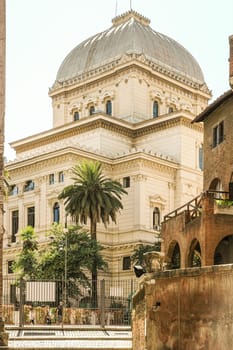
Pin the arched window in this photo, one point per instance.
(109, 107)
(156, 218)
(155, 109)
(76, 115)
(56, 213)
(92, 110)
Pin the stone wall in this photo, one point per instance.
(195, 312)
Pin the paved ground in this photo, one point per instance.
(75, 338)
(70, 344)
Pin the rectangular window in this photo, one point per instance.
(13, 297)
(221, 132)
(218, 134)
(13, 190)
(215, 136)
(29, 186)
(10, 266)
(14, 224)
(61, 176)
(201, 157)
(126, 182)
(51, 179)
(76, 115)
(126, 263)
(31, 216)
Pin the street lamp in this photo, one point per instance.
(64, 247)
(65, 274)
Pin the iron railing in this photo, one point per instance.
(111, 307)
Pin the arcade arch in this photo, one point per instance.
(174, 256)
(194, 257)
(224, 251)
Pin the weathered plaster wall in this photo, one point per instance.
(196, 310)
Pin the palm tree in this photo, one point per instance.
(95, 197)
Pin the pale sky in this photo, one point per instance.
(40, 33)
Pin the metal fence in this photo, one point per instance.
(27, 302)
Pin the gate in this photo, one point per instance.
(58, 303)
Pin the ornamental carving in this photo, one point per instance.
(75, 107)
(157, 201)
(107, 95)
(139, 178)
(157, 95)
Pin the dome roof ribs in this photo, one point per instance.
(129, 35)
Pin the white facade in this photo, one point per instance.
(157, 155)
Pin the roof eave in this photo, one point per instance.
(213, 106)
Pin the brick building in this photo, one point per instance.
(188, 306)
(200, 232)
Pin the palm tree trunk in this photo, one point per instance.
(94, 270)
(3, 335)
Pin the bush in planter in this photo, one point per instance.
(224, 203)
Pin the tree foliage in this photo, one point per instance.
(75, 249)
(25, 264)
(95, 197)
(92, 195)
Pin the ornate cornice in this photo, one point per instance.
(126, 61)
(103, 121)
(70, 156)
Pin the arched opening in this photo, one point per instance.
(174, 255)
(56, 213)
(156, 218)
(155, 109)
(194, 259)
(224, 251)
(91, 110)
(109, 107)
(216, 187)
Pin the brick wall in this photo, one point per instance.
(218, 160)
